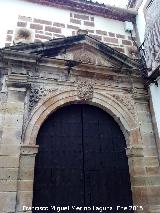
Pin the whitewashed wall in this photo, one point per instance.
(14, 8)
(141, 22)
(154, 91)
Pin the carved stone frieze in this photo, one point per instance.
(85, 89)
(127, 101)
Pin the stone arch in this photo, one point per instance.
(116, 108)
(108, 103)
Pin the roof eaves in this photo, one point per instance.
(41, 48)
(90, 7)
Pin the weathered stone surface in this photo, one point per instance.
(9, 149)
(13, 120)
(139, 171)
(26, 173)
(27, 161)
(7, 201)
(148, 139)
(151, 161)
(14, 136)
(146, 180)
(8, 173)
(150, 151)
(146, 127)
(9, 161)
(152, 170)
(154, 194)
(25, 185)
(24, 199)
(154, 208)
(140, 195)
(8, 185)
(144, 117)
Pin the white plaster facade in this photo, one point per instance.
(155, 104)
(16, 8)
(140, 22)
(154, 89)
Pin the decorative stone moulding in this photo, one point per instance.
(134, 151)
(84, 91)
(29, 149)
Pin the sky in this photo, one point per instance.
(117, 3)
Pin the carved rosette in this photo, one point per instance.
(85, 90)
(127, 101)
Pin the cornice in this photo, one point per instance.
(36, 51)
(153, 77)
(85, 6)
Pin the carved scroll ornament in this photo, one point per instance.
(36, 94)
(127, 101)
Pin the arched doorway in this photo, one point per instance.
(81, 161)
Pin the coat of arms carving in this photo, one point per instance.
(85, 90)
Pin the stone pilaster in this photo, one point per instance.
(26, 177)
(10, 148)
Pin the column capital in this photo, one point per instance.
(29, 149)
(134, 151)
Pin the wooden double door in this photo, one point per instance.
(81, 161)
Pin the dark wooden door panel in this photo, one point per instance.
(81, 160)
(106, 165)
(59, 168)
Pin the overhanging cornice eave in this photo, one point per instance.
(35, 52)
(153, 77)
(7, 55)
(92, 8)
